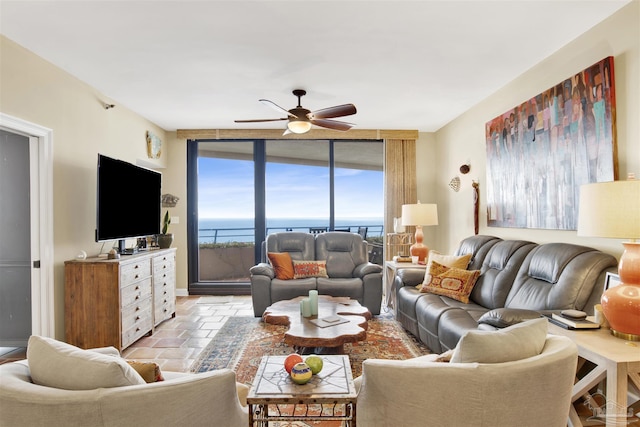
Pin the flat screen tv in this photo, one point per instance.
(128, 201)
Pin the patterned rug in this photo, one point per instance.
(242, 342)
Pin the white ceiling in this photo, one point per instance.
(201, 64)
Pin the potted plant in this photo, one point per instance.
(165, 239)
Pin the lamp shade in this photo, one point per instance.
(610, 209)
(420, 214)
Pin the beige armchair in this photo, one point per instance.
(206, 399)
(533, 392)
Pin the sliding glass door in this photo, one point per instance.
(240, 191)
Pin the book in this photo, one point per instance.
(573, 323)
(329, 321)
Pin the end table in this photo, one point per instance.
(330, 395)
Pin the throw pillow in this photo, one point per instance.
(451, 261)
(454, 283)
(304, 269)
(517, 342)
(60, 365)
(149, 371)
(282, 264)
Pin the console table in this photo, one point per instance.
(617, 360)
(115, 302)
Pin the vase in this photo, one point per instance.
(397, 225)
(165, 240)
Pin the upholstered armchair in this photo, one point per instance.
(529, 392)
(206, 399)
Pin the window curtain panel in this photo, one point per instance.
(399, 180)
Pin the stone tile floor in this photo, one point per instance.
(177, 342)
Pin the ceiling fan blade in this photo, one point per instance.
(260, 120)
(337, 111)
(276, 107)
(332, 124)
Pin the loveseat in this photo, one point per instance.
(62, 385)
(518, 279)
(343, 270)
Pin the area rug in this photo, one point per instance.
(242, 342)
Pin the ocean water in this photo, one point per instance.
(223, 230)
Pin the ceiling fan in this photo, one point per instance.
(300, 119)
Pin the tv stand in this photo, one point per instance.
(115, 302)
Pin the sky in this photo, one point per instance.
(293, 191)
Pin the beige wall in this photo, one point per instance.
(38, 92)
(463, 139)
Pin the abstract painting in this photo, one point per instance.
(540, 152)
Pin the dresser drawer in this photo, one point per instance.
(135, 292)
(138, 325)
(165, 280)
(133, 272)
(136, 314)
(163, 264)
(164, 309)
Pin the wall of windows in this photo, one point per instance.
(240, 191)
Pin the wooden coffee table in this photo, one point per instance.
(305, 336)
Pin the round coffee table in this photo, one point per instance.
(305, 336)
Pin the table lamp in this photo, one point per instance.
(419, 215)
(612, 209)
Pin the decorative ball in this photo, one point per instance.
(291, 361)
(315, 363)
(301, 373)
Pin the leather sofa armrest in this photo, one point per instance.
(366, 268)
(409, 277)
(503, 317)
(262, 269)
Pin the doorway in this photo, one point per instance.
(26, 256)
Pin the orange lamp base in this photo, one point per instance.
(621, 304)
(419, 250)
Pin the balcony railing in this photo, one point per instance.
(247, 235)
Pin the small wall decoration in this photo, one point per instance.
(169, 200)
(455, 183)
(540, 152)
(154, 146)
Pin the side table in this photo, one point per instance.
(617, 360)
(390, 269)
(330, 395)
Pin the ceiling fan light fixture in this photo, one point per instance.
(299, 126)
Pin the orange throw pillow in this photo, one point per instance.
(450, 282)
(282, 264)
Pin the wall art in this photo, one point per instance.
(540, 152)
(154, 146)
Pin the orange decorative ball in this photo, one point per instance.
(291, 361)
